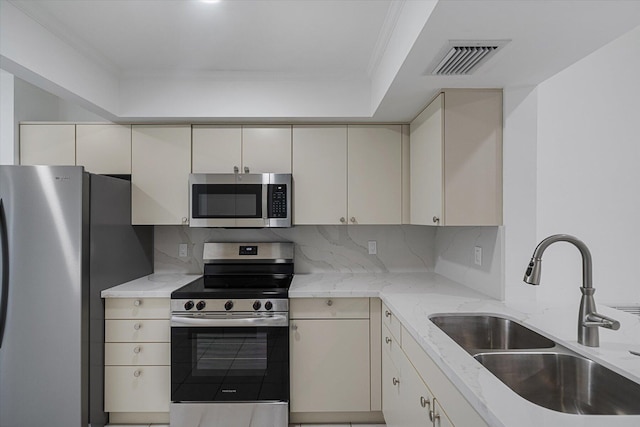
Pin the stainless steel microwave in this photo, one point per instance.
(240, 200)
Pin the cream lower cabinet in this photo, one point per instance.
(331, 363)
(415, 392)
(137, 360)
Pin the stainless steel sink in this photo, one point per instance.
(565, 382)
(475, 333)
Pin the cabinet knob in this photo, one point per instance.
(137, 373)
(329, 302)
(387, 340)
(185, 220)
(396, 381)
(137, 303)
(387, 313)
(343, 220)
(137, 326)
(436, 219)
(425, 403)
(353, 219)
(137, 349)
(236, 169)
(433, 416)
(294, 327)
(246, 169)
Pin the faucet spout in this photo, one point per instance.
(588, 319)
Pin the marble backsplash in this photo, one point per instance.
(318, 249)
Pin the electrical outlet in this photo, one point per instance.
(182, 250)
(478, 255)
(373, 247)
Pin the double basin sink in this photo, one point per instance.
(539, 369)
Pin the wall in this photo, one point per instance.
(319, 249)
(455, 257)
(588, 172)
(7, 145)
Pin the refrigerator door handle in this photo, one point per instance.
(4, 259)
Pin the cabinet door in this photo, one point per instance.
(42, 144)
(137, 388)
(330, 366)
(320, 174)
(266, 149)
(426, 141)
(216, 149)
(161, 161)
(391, 400)
(440, 419)
(417, 399)
(375, 174)
(104, 149)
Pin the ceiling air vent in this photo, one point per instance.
(463, 57)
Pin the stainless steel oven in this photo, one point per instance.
(240, 200)
(230, 339)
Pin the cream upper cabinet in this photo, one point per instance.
(252, 149)
(266, 149)
(161, 162)
(216, 149)
(104, 149)
(374, 165)
(456, 159)
(320, 174)
(48, 144)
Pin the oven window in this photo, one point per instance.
(226, 201)
(230, 353)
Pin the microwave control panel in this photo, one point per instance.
(277, 206)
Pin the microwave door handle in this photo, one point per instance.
(4, 259)
(277, 320)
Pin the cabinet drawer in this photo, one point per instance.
(137, 388)
(329, 308)
(137, 331)
(137, 308)
(137, 354)
(392, 323)
(390, 345)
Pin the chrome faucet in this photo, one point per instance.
(588, 319)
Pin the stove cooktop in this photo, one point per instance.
(235, 288)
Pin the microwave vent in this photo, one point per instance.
(464, 57)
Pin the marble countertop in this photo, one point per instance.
(413, 297)
(151, 286)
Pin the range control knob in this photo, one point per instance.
(268, 305)
(188, 305)
(200, 305)
(257, 305)
(228, 305)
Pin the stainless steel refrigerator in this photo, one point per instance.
(65, 235)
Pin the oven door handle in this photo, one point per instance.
(190, 321)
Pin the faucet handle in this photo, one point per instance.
(597, 319)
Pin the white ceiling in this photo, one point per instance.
(362, 60)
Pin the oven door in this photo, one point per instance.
(230, 358)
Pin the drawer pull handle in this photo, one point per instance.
(425, 403)
(387, 313)
(387, 340)
(137, 373)
(137, 349)
(396, 381)
(137, 303)
(329, 302)
(137, 326)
